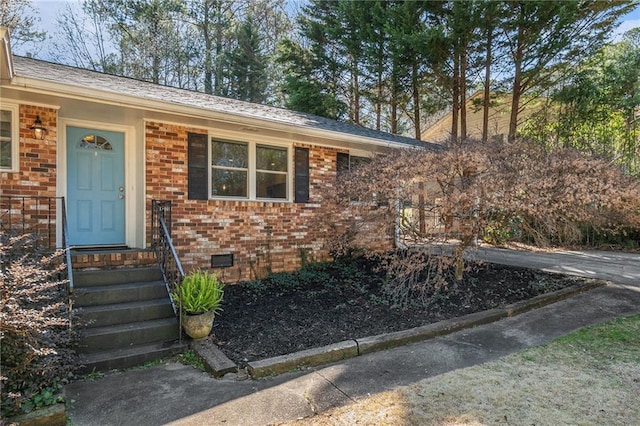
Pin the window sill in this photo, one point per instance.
(254, 200)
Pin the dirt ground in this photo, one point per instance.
(328, 304)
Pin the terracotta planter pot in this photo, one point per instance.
(198, 326)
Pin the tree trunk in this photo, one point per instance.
(455, 105)
(380, 78)
(217, 78)
(394, 100)
(355, 93)
(394, 116)
(208, 45)
(463, 93)
(155, 59)
(416, 99)
(517, 87)
(487, 87)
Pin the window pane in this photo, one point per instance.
(5, 154)
(5, 139)
(5, 124)
(228, 183)
(271, 185)
(270, 158)
(229, 154)
(95, 142)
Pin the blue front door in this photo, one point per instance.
(95, 187)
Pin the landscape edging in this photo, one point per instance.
(51, 415)
(356, 347)
(307, 358)
(381, 342)
(556, 296)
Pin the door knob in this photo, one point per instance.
(121, 197)
(121, 189)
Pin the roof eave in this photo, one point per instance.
(136, 102)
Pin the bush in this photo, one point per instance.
(200, 292)
(35, 335)
(346, 273)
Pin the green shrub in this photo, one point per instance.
(200, 292)
(500, 230)
(316, 278)
(36, 339)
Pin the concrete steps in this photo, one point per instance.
(126, 317)
(129, 357)
(120, 293)
(122, 313)
(97, 339)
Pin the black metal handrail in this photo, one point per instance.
(33, 214)
(166, 253)
(67, 247)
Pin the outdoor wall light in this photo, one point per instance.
(38, 129)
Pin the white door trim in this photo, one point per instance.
(133, 210)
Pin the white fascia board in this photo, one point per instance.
(7, 72)
(134, 102)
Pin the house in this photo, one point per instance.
(245, 181)
(499, 117)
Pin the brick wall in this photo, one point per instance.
(261, 235)
(35, 179)
(37, 174)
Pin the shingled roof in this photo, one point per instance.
(97, 81)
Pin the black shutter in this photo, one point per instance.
(343, 162)
(302, 175)
(197, 159)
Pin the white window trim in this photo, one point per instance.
(252, 169)
(15, 138)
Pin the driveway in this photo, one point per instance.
(619, 267)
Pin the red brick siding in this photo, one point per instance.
(117, 259)
(262, 235)
(37, 174)
(36, 177)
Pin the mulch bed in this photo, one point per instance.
(328, 303)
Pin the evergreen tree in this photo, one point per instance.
(596, 108)
(247, 65)
(303, 92)
(546, 38)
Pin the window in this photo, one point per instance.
(347, 162)
(95, 142)
(229, 169)
(9, 138)
(249, 170)
(271, 172)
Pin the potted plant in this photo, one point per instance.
(200, 295)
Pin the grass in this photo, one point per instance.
(588, 377)
(191, 358)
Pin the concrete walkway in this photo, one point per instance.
(181, 395)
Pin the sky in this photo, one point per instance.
(629, 21)
(49, 10)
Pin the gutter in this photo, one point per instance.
(146, 104)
